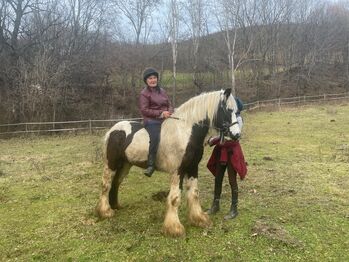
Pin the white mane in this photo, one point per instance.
(206, 104)
(192, 110)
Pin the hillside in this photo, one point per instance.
(57, 69)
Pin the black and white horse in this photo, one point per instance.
(179, 153)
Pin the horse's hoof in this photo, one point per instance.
(202, 220)
(175, 230)
(116, 206)
(107, 213)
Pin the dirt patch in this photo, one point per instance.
(274, 231)
(3, 199)
(268, 158)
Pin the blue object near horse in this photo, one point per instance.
(180, 151)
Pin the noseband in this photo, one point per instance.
(227, 125)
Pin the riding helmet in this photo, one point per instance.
(149, 72)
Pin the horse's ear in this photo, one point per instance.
(227, 92)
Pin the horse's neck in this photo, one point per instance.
(199, 109)
(200, 131)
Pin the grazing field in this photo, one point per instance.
(294, 203)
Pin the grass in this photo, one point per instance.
(293, 203)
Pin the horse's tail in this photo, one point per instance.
(114, 145)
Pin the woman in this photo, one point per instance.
(227, 154)
(155, 106)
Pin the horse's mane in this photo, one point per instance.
(199, 107)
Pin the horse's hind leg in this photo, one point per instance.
(196, 216)
(172, 226)
(114, 162)
(103, 208)
(116, 181)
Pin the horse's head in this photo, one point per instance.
(225, 119)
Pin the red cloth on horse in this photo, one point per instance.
(230, 152)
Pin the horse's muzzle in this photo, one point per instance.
(234, 137)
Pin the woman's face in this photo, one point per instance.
(152, 81)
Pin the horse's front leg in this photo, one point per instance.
(172, 226)
(196, 216)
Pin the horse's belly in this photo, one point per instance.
(171, 149)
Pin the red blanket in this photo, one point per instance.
(229, 152)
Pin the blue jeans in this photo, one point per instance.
(153, 128)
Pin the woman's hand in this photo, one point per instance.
(165, 114)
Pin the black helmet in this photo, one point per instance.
(149, 72)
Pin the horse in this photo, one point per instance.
(180, 150)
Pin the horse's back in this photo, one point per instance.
(129, 127)
(133, 139)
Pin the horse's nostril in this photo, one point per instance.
(236, 136)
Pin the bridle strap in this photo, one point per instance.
(227, 126)
(234, 123)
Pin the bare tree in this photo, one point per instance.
(55, 54)
(227, 13)
(272, 15)
(139, 14)
(3, 18)
(173, 32)
(13, 14)
(196, 16)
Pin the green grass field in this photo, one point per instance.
(294, 203)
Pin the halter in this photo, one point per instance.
(225, 129)
(227, 112)
(226, 125)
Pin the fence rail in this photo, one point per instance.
(296, 100)
(91, 125)
(62, 126)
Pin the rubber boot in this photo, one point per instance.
(234, 196)
(151, 166)
(233, 211)
(214, 208)
(149, 171)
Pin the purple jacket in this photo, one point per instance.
(152, 102)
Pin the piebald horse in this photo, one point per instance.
(179, 153)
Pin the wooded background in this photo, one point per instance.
(83, 59)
